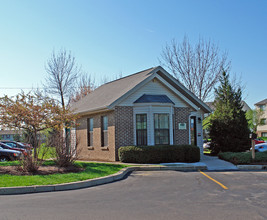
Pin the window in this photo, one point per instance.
(104, 131)
(90, 127)
(193, 132)
(263, 121)
(264, 134)
(262, 107)
(141, 129)
(161, 126)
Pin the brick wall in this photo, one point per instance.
(181, 115)
(124, 127)
(96, 152)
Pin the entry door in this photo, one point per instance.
(193, 131)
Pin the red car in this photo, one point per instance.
(259, 141)
(9, 147)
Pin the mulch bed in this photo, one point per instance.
(43, 170)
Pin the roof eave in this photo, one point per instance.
(93, 111)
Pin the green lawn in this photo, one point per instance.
(92, 170)
(48, 152)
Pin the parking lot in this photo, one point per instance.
(151, 195)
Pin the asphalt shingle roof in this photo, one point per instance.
(106, 94)
(264, 101)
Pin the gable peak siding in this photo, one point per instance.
(153, 87)
(124, 127)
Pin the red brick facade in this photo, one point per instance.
(124, 127)
(121, 132)
(181, 115)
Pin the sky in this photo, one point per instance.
(119, 37)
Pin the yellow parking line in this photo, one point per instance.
(223, 186)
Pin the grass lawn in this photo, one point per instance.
(92, 170)
(48, 152)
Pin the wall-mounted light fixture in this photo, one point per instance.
(199, 120)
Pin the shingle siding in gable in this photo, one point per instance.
(124, 127)
(153, 88)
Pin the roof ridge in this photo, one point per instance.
(131, 75)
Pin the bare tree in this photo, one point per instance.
(62, 75)
(198, 66)
(85, 85)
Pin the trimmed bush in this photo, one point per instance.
(159, 154)
(243, 157)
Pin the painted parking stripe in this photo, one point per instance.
(223, 186)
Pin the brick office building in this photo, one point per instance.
(146, 108)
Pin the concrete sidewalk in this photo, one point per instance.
(209, 162)
(215, 164)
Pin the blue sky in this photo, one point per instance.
(109, 38)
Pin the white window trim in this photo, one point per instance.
(150, 110)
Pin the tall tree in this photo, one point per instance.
(198, 66)
(62, 73)
(228, 125)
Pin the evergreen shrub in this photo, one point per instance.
(159, 154)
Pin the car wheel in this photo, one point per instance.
(3, 159)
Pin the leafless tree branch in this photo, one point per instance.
(62, 75)
(198, 66)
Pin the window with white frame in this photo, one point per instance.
(161, 129)
(141, 129)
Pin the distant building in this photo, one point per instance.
(9, 134)
(262, 129)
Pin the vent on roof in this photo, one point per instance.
(154, 98)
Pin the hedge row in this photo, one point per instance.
(243, 157)
(159, 154)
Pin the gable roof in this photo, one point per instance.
(264, 101)
(108, 95)
(109, 92)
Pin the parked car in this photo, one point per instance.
(259, 141)
(7, 147)
(206, 144)
(6, 154)
(260, 147)
(13, 144)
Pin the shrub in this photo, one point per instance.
(159, 154)
(243, 157)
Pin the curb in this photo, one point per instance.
(93, 182)
(252, 167)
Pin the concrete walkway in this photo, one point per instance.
(208, 162)
(214, 163)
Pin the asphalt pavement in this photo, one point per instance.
(150, 195)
